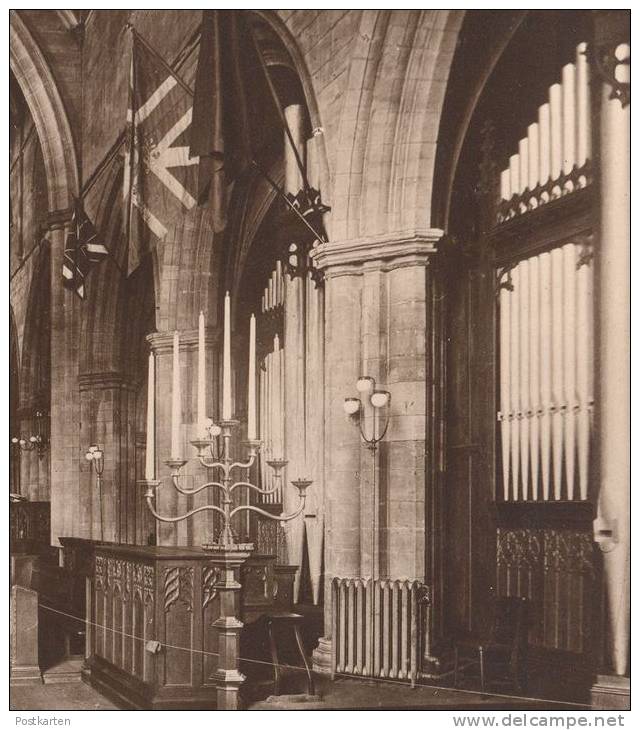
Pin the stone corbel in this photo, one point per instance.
(387, 251)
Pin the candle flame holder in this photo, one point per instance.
(223, 463)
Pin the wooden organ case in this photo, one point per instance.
(520, 390)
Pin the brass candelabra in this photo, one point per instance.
(221, 460)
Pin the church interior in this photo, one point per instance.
(327, 403)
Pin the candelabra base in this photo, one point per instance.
(242, 547)
(228, 559)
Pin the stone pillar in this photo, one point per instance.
(375, 323)
(65, 451)
(613, 319)
(198, 529)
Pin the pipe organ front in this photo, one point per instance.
(545, 305)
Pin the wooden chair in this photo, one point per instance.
(287, 620)
(505, 646)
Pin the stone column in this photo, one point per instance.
(375, 323)
(613, 319)
(65, 451)
(198, 529)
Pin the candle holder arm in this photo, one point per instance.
(244, 464)
(214, 465)
(162, 518)
(255, 488)
(182, 490)
(280, 518)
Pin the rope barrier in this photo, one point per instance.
(382, 680)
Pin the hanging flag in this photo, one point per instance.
(81, 249)
(159, 177)
(234, 113)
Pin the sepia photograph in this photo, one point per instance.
(319, 362)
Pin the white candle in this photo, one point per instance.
(251, 397)
(226, 361)
(176, 410)
(150, 457)
(201, 376)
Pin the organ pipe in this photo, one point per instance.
(546, 376)
(556, 143)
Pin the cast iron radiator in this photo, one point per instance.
(377, 627)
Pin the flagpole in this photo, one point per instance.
(281, 193)
(159, 58)
(109, 157)
(276, 99)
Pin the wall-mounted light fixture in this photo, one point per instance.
(38, 440)
(376, 399)
(95, 457)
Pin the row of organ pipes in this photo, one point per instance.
(546, 319)
(556, 145)
(546, 375)
(291, 394)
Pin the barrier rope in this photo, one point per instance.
(382, 680)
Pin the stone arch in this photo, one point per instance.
(465, 85)
(389, 124)
(38, 85)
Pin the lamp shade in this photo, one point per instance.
(351, 406)
(365, 384)
(379, 398)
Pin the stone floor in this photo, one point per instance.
(341, 694)
(347, 693)
(63, 696)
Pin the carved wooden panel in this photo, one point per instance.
(154, 611)
(555, 569)
(124, 607)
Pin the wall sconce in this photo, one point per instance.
(38, 441)
(95, 457)
(379, 401)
